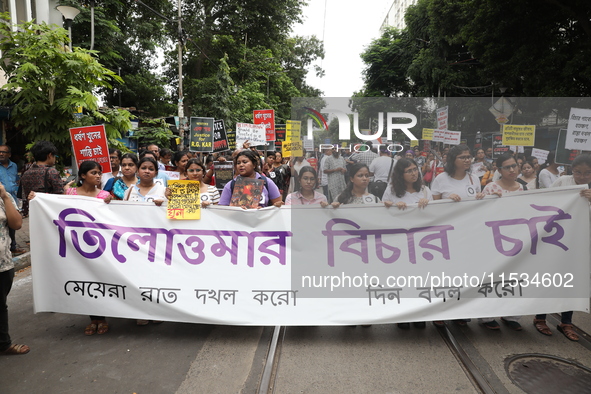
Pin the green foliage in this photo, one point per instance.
(153, 132)
(47, 82)
(470, 47)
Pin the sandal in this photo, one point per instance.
(542, 327)
(567, 330)
(91, 328)
(103, 327)
(16, 349)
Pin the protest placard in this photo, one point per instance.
(497, 145)
(201, 134)
(578, 134)
(90, 143)
(563, 155)
(292, 149)
(280, 130)
(254, 134)
(266, 117)
(184, 202)
(224, 173)
(438, 135)
(442, 118)
(518, 135)
(293, 130)
(452, 137)
(540, 154)
(427, 134)
(220, 141)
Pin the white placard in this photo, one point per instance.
(453, 137)
(438, 135)
(578, 131)
(442, 118)
(540, 154)
(255, 134)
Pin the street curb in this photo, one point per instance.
(22, 261)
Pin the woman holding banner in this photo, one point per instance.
(307, 194)
(581, 176)
(457, 184)
(246, 164)
(118, 186)
(407, 188)
(508, 168)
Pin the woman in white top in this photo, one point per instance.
(406, 186)
(456, 183)
(146, 189)
(581, 176)
(528, 174)
(549, 174)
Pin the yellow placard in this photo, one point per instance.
(414, 143)
(516, 135)
(184, 202)
(292, 149)
(293, 130)
(427, 134)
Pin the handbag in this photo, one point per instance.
(377, 188)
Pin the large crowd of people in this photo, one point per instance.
(329, 178)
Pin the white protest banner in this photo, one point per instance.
(306, 265)
(540, 154)
(442, 118)
(254, 134)
(452, 137)
(578, 131)
(438, 135)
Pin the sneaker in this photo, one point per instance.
(492, 325)
(515, 326)
(404, 326)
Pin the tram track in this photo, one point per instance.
(477, 369)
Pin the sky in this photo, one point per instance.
(349, 27)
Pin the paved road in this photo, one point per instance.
(193, 358)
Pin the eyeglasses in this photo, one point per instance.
(411, 171)
(113, 157)
(465, 158)
(195, 170)
(509, 167)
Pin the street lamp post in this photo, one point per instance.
(69, 13)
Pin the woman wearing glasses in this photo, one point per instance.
(407, 188)
(457, 183)
(195, 172)
(581, 176)
(509, 170)
(307, 194)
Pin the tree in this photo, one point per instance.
(47, 82)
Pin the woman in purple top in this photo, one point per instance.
(307, 194)
(246, 164)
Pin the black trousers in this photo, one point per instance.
(5, 286)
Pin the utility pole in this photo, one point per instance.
(180, 60)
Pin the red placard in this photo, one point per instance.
(266, 117)
(90, 143)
